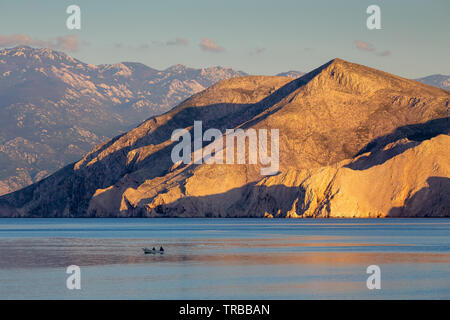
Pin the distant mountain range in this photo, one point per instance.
(54, 108)
(291, 74)
(353, 142)
(437, 80)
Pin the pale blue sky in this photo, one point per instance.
(257, 36)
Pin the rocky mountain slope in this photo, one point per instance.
(353, 142)
(54, 108)
(437, 80)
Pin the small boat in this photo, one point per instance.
(152, 251)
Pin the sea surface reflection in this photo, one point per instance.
(225, 258)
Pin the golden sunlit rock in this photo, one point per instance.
(353, 142)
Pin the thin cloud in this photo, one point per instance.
(66, 43)
(368, 47)
(210, 45)
(144, 46)
(384, 53)
(69, 43)
(152, 44)
(178, 42)
(364, 46)
(120, 45)
(257, 51)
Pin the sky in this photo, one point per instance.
(255, 36)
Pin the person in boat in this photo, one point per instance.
(161, 249)
(153, 249)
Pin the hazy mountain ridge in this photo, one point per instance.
(291, 74)
(437, 80)
(54, 108)
(354, 142)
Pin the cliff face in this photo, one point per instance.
(353, 142)
(404, 179)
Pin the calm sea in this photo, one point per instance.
(225, 258)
